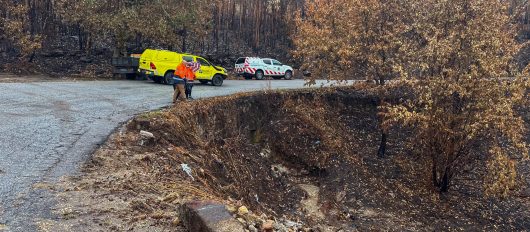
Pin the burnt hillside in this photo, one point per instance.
(303, 156)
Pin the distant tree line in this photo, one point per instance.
(214, 27)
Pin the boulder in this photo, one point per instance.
(146, 138)
(208, 216)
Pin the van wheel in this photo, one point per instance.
(259, 75)
(204, 82)
(217, 80)
(168, 78)
(288, 75)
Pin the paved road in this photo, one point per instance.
(48, 129)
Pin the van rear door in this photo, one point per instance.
(240, 65)
(146, 58)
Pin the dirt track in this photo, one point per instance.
(50, 128)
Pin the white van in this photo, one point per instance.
(260, 68)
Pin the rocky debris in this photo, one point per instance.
(147, 138)
(311, 205)
(268, 225)
(231, 209)
(186, 168)
(242, 221)
(265, 153)
(201, 216)
(292, 224)
(252, 228)
(339, 197)
(279, 170)
(176, 221)
(147, 134)
(279, 227)
(242, 211)
(252, 221)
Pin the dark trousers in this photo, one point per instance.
(188, 88)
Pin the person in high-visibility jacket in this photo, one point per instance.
(179, 81)
(190, 78)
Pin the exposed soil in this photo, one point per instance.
(304, 156)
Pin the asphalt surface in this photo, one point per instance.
(48, 129)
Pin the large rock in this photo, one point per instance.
(203, 216)
(147, 138)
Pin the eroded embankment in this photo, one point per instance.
(305, 158)
(250, 147)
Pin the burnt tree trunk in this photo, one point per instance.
(184, 35)
(441, 181)
(382, 147)
(444, 183)
(31, 57)
(381, 152)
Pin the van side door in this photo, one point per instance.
(206, 71)
(277, 67)
(268, 68)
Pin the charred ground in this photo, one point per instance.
(274, 152)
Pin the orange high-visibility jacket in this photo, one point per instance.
(190, 75)
(181, 70)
